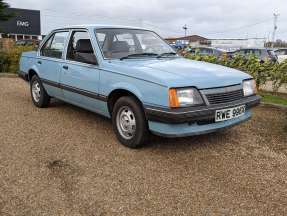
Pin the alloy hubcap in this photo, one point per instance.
(36, 91)
(126, 122)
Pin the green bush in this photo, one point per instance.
(9, 60)
(262, 72)
(4, 62)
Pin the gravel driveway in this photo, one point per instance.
(63, 160)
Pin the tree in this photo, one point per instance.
(4, 16)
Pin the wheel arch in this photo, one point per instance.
(115, 94)
(31, 73)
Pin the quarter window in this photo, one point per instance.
(54, 47)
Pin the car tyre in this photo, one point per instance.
(39, 95)
(129, 122)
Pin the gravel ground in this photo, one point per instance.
(63, 160)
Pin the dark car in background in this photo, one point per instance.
(27, 42)
(206, 51)
(262, 54)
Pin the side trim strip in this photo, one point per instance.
(76, 90)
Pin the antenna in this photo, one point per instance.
(185, 29)
(276, 15)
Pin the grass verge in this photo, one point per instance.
(268, 97)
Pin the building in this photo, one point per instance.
(192, 40)
(226, 44)
(26, 24)
(233, 44)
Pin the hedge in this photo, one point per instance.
(262, 72)
(9, 59)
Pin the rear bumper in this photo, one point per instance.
(195, 121)
(23, 75)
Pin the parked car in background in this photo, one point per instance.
(134, 77)
(209, 51)
(261, 53)
(281, 54)
(27, 42)
(230, 54)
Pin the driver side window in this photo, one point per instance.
(80, 48)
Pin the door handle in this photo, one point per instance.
(39, 62)
(65, 67)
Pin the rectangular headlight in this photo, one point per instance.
(249, 87)
(184, 97)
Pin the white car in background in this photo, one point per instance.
(281, 54)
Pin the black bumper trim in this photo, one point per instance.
(195, 114)
(23, 75)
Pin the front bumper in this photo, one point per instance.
(199, 114)
(194, 121)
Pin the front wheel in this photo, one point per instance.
(39, 95)
(129, 122)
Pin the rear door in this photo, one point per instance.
(80, 75)
(50, 60)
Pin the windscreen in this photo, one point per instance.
(118, 43)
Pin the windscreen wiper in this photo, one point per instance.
(166, 54)
(138, 55)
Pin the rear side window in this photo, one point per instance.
(257, 53)
(271, 53)
(253, 52)
(54, 47)
(281, 52)
(205, 51)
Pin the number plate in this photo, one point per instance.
(230, 113)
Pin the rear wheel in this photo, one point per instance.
(39, 95)
(129, 122)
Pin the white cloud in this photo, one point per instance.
(211, 18)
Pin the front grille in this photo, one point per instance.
(224, 97)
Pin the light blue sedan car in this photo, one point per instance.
(134, 77)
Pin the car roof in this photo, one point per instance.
(99, 26)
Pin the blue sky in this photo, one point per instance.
(210, 18)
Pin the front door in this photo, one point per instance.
(80, 75)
